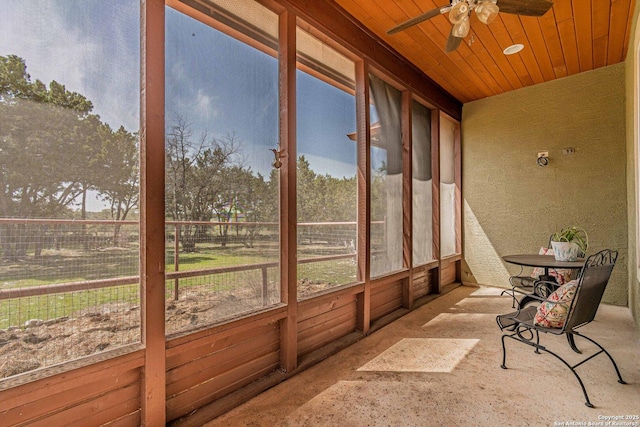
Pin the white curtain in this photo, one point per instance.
(447, 188)
(422, 184)
(387, 101)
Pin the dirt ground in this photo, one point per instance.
(41, 343)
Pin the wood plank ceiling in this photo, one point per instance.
(573, 37)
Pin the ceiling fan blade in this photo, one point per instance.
(452, 42)
(525, 7)
(418, 19)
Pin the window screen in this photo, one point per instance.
(69, 180)
(326, 175)
(221, 188)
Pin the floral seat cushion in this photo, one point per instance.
(562, 275)
(553, 313)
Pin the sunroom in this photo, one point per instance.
(198, 196)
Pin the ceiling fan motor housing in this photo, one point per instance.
(486, 11)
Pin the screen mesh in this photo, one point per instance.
(69, 180)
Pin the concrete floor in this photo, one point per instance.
(440, 366)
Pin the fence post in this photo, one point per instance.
(176, 260)
(265, 287)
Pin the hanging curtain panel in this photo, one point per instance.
(386, 178)
(422, 182)
(447, 188)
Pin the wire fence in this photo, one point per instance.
(69, 288)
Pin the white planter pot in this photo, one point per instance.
(565, 251)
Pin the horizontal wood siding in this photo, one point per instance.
(133, 419)
(213, 365)
(325, 319)
(385, 298)
(97, 411)
(448, 273)
(92, 395)
(422, 282)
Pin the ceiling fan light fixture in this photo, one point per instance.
(461, 29)
(459, 12)
(487, 12)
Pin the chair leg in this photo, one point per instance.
(511, 293)
(572, 343)
(584, 390)
(504, 354)
(520, 338)
(539, 347)
(613, 362)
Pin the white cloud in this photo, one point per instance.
(205, 105)
(85, 62)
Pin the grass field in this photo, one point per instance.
(77, 264)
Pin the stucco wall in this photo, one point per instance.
(512, 205)
(632, 71)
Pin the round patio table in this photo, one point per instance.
(542, 261)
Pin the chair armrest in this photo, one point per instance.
(522, 281)
(515, 294)
(544, 288)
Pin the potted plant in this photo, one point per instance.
(569, 242)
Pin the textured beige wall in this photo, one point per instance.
(512, 205)
(632, 71)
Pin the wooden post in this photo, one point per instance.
(152, 233)
(288, 212)
(457, 150)
(265, 286)
(176, 261)
(407, 199)
(435, 181)
(363, 118)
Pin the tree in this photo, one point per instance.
(119, 183)
(341, 199)
(309, 191)
(51, 149)
(195, 177)
(230, 201)
(261, 202)
(37, 125)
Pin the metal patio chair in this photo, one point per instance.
(592, 280)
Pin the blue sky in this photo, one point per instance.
(219, 85)
(224, 86)
(62, 41)
(326, 116)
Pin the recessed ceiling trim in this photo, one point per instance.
(514, 48)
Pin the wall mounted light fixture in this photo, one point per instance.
(543, 158)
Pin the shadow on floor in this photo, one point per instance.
(440, 366)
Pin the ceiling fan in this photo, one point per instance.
(486, 11)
